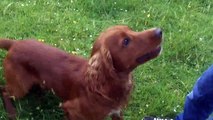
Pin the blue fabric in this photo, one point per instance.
(199, 103)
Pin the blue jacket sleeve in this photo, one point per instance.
(199, 103)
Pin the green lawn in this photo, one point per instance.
(72, 25)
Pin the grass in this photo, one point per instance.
(72, 25)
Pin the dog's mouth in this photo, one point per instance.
(149, 55)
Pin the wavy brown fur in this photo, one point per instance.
(90, 89)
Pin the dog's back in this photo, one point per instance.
(29, 62)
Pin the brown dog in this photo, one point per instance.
(90, 89)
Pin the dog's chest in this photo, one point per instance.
(121, 91)
(121, 95)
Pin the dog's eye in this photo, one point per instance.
(126, 41)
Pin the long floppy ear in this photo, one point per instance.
(100, 63)
(106, 58)
(101, 60)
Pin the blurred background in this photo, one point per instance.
(73, 25)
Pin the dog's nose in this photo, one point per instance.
(158, 32)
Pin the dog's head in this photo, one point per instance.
(125, 49)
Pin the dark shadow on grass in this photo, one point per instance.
(39, 104)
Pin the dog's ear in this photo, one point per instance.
(101, 60)
(99, 64)
(106, 58)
